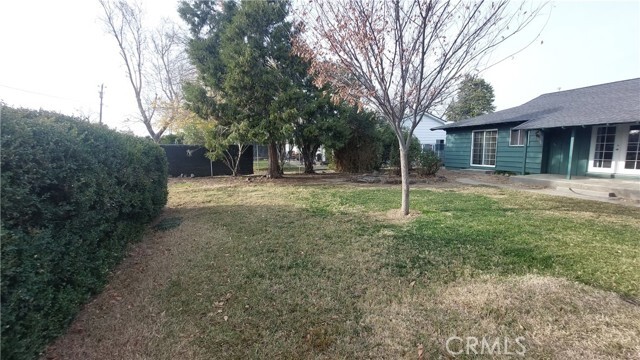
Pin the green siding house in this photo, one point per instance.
(591, 131)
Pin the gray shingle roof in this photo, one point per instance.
(611, 103)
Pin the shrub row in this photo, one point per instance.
(73, 196)
(372, 143)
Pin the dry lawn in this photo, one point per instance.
(287, 270)
(558, 319)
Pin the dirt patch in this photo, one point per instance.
(489, 179)
(395, 180)
(395, 216)
(443, 179)
(287, 179)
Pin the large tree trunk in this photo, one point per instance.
(282, 156)
(308, 157)
(308, 164)
(274, 161)
(404, 172)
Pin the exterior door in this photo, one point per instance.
(615, 149)
(630, 151)
(557, 142)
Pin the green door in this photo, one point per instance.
(557, 144)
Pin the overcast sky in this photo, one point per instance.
(55, 54)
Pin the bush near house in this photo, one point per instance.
(428, 163)
(415, 150)
(73, 196)
(362, 150)
(371, 144)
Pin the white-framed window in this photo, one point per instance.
(517, 137)
(605, 143)
(484, 145)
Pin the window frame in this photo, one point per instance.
(484, 147)
(522, 136)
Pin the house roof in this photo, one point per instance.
(433, 117)
(611, 103)
(430, 116)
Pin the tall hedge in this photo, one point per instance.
(73, 196)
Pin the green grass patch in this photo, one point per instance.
(507, 233)
(263, 165)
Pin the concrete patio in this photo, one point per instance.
(614, 188)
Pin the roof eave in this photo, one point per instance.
(460, 126)
(534, 126)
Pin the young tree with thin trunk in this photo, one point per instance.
(402, 58)
(226, 143)
(155, 64)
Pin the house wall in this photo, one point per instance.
(511, 158)
(424, 133)
(556, 151)
(508, 158)
(457, 149)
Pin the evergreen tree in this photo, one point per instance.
(315, 118)
(475, 97)
(240, 51)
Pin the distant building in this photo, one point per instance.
(431, 139)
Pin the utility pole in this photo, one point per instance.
(101, 94)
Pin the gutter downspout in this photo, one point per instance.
(573, 138)
(526, 147)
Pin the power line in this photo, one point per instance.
(39, 93)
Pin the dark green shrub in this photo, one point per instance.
(428, 163)
(73, 196)
(388, 144)
(361, 152)
(371, 144)
(415, 150)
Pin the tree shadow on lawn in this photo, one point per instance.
(232, 281)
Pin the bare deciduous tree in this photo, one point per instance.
(403, 58)
(155, 62)
(171, 68)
